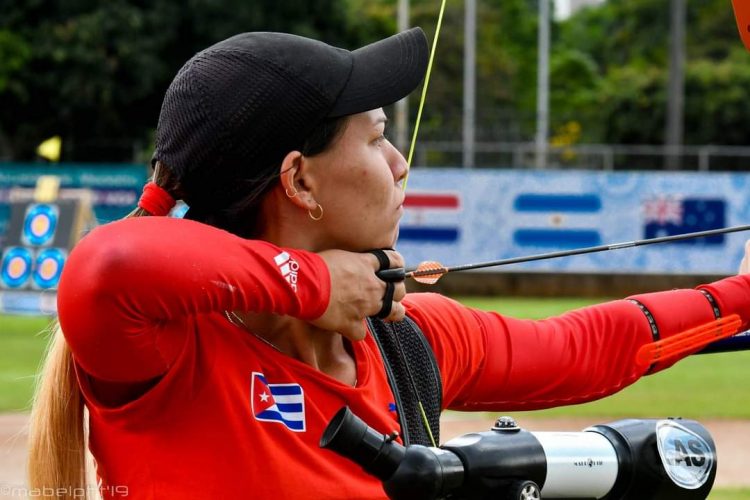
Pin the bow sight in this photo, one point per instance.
(627, 459)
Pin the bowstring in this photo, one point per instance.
(409, 158)
(424, 93)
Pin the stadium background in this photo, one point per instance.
(80, 87)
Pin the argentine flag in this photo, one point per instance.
(557, 220)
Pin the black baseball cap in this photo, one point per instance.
(237, 108)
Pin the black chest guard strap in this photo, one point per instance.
(413, 375)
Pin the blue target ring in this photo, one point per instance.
(15, 268)
(40, 223)
(49, 266)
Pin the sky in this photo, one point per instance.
(562, 8)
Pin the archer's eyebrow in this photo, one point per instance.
(381, 119)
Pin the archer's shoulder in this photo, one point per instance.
(432, 307)
(145, 223)
(139, 228)
(422, 300)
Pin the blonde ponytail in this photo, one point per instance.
(57, 444)
(58, 428)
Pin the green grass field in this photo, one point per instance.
(725, 494)
(699, 387)
(22, 343)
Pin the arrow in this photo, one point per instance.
(429, 272)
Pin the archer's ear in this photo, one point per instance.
(294, 180)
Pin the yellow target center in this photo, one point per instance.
(40, 225)
(16, 267)
(48, 269)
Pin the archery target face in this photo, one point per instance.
(15, 268)
(48, 267)
(40, 224)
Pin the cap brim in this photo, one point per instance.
(383, 72)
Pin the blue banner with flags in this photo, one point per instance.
(459, 216)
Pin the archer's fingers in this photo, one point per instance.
(357, 332)
(398, 312)
(396, 259)
(745, 263)
(399, 292)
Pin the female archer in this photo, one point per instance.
(210, 352)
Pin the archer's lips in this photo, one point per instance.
(401, 203)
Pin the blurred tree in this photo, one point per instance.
(632, 104)
(619, 32)
(505, 70)
(618, 90)
(718, 100)
(576, 93)
(14, 54)
(95, 71)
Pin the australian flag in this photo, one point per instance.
(282, 403)
(668, 216)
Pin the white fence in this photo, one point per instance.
(702, 158)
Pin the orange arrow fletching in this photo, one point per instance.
(428, 272)
(688, 341)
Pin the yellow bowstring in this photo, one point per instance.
(408, 162)
(424, 92)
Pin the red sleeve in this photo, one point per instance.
(492, 362)
(128, 286)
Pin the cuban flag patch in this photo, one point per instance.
(282, 403)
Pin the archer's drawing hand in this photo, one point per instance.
(356, 292)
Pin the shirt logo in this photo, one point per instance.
(288, 267)
(282, 403)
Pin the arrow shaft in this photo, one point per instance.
(586, 250)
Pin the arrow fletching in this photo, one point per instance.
(688, 341)
(428, 272)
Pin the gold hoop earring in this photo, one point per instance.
(319, 216)
(286, 190)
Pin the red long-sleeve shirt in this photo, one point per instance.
(228, 416)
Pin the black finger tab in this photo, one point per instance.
(392, 275)
(383, 259)
(387, 301)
